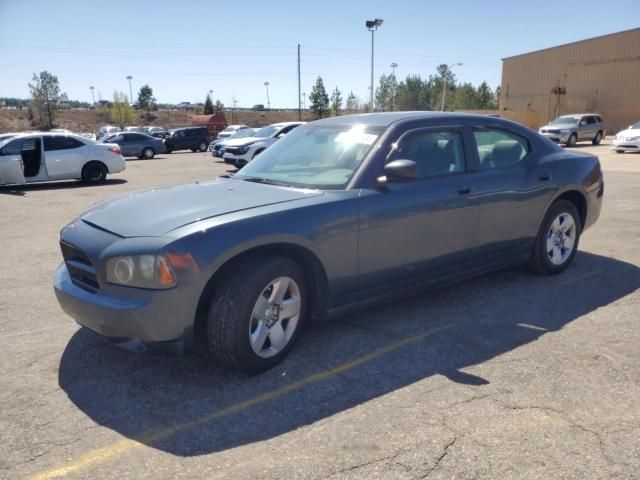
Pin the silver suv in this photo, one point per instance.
(569, 129)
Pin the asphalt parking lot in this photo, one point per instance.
(509, 375)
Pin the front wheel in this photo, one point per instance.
(94, 173)
(557, 241)
(572, 140)
(257, 313)
(597, 139)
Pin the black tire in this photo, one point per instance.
(597, 139)
(571, 142)
(202, 147)
(94, 173)
(148, 153)
(230, 311)
(619, 151)
(169, 150)
(539, 261)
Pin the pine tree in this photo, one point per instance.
(319, 98)
(352, 102)
(336, 101)
(208, 106)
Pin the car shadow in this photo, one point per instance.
(190, 406)
(21, 190)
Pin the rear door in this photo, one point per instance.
(11, 169)
(64, 156)
(510, 189)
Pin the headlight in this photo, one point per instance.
(634, 139)
(245, 148)
(142, 271)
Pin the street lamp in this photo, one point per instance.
(393, 66)
(444, 79)
(372, 26)
(266, 84)
(304, 100)
(129, 77)
(92, 95)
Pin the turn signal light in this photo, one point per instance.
(165, 274)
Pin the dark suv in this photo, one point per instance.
(190, 138)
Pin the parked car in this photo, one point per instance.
(158, 132)
(39, 157)
(137, 144)
(107, 130)
(628, 140)
(230, 130)
(569, 129)
(339, 214)
(132, 129)
(188, 138)
(90, 136)
(241, 151)
(218, 147)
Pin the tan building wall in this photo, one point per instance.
(600, 75)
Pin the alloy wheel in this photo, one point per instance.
(561, 239)
(275, 317)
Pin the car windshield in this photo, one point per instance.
(566, 120)
(313, 156)
(247, 132)
(636, 126)
(266, 132)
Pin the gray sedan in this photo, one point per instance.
(137, 144)
(340, 214)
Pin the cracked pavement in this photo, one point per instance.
(509, 375)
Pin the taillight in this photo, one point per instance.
(115, 150)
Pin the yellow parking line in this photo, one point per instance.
(123, 446)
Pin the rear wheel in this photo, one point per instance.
(148, 153)
(572, 140)
(557, 241)
(202, 147)
(94, 173)
(619, 151)
(597, 139)
(257, 313)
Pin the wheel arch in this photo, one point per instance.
(315, 273)
(578, 199)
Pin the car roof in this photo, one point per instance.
(384, 119)
(285, 124)
(579, 114)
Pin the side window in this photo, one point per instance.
(499, 148)
(599, 119)
(591, 120)
(60, 143)
(435, 152)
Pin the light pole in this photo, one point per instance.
(372, 26)
(129, 77)
(304, 100)
(92, 95)
(444, 80)
(393, 66)
(266, 84)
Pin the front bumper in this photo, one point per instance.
(556, 137)
(146, 324)
(633, 145)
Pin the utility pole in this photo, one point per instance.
(92, 95)
(372, 26)
(129, 77)
(299, 88)
(46, 93)
(266, 84)
(444, 80)
(304, 100)
(393, 66)
(393, 74)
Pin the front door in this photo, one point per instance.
(11, 166)
(423, 229)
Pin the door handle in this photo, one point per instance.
(544, 176)
(464, 190)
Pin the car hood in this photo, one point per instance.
(157, 211)
(629, 132)
(237, 142)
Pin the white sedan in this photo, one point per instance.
(628, 140)
(39, 157)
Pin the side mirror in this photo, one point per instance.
(398, 170)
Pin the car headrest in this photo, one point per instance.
(506, 152)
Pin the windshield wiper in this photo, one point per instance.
(263, 180)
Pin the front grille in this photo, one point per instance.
(234, 150)
(80, 267)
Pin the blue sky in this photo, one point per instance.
(183, 49)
